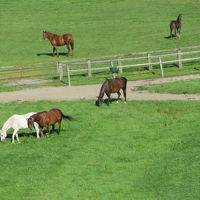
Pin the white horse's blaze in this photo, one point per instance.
(17, 122)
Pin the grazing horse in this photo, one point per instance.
(176, 26)
(47, 118)
(17, 122)
(60, 40)
(112, 86)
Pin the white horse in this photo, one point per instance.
(17, 122)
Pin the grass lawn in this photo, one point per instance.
(177, 87)
(140, 150)
(100, 28)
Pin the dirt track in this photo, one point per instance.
(92, 91)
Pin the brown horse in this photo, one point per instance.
(112, 86)
(60, 40)
(46, 119)
(176, 26)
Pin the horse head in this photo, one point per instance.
(3, 135)
(179, 19)
(99, 101)
(30, 122)
(44, 35)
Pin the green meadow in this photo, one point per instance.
(177, 87)
(101, 28)
(142, 150)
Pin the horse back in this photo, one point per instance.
(58, 40)
(175, 24)
(116, 84)
(68, 38)
(40, 118)
(54, 115)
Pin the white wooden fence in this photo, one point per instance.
(146, 59)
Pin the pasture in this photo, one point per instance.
(148, 151)
(100, 27)
(177, 87)
(140, 150)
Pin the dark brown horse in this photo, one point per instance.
(176, 26)
(60, 40)
(46, 119)
(112, 86)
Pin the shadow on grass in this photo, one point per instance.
(51, 54)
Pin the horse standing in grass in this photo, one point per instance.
(17, 122)
(46, 119)
(60, 40)
(176, 26)
(112, 86)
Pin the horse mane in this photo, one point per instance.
(178, 18)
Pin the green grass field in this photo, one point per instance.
(100, 28)
(140, 150)
(177, 87)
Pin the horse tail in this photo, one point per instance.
(67, 117)
(125, 80)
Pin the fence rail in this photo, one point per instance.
(151, 60)
(28, 71)
(90, 66)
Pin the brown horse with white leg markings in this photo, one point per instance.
(112, 86)
(60, 40)
(46, 119)
(176, 26)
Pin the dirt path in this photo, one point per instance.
(92, 91)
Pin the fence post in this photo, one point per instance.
(119, 65)
(149, 61)
(68, 75)
(113, 69)
(57, 67)
(161, 67)
(180, 64)
(89, 68)
(60, 70)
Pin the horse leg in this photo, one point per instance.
(109, 99)
(37, 129)
(171, 32)
(57, 52)
(72, 47)
(54, 51)
(47, 127)
(119, 94)
(53, 127)
(13, 136)
(175, 30)
(68, 53)
(41, 132)
(178, 33)
(59, 124)
(124, 92)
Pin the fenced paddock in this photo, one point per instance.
(41, 70)
(132, 62)
(87, 67)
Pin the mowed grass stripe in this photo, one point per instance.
(138, 150)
